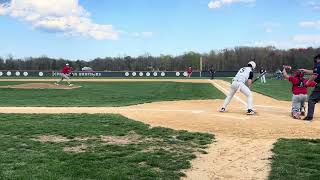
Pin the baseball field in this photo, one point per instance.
(152, 129)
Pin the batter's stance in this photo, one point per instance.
(244, 75)
(65, 73)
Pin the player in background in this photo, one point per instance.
(299, 91)
(315, 95)
(189, 71)
(244, 75)
(212, 73)
(263, 73)
(65, 73)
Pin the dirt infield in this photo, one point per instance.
(243, 143)
(39, 86)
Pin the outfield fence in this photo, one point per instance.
(114, 74)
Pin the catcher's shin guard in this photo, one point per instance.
(303, 111)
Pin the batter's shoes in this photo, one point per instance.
(56, 84)
(222, 110)
(70, 84)
(308, 118)
(250, 112)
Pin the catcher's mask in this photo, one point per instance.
(299, 74)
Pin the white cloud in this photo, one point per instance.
(307, 38)
(147, 34)
(215, 4)
(270, 26)
(142, 34)
(297, 41)
(310, 24)
(66, 16)
(314, 5)
(136, 34)
(278, 44)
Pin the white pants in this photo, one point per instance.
(298, 102)
(64, 76)
(263, 79)
(243, 89)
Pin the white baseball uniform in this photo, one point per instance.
(238, 82)
(263, 77)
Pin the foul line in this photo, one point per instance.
(225, 91)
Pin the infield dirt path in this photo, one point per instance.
(243, 143)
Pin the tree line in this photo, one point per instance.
(269, 58)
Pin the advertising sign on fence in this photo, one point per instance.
(124, 74)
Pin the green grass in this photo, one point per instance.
(278, 89)
(296, 159)
(107, 94)
(157, 153)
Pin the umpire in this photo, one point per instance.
(315, 96)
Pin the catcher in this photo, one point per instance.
(299, 91)
(65, 73)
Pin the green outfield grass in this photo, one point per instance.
(278, 89)
(107, 94)
(296, 159)
(112, 147)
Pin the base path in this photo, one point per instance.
(243, 143)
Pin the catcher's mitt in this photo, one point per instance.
(71, 74)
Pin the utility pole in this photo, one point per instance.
(200, 66)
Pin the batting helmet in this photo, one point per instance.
(252, 64)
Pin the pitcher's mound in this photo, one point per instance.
(40, 86)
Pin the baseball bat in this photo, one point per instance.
(259, 77)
